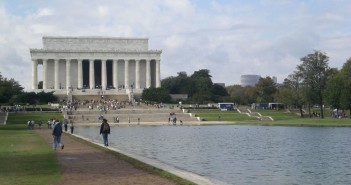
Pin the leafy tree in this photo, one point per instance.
(8, 89)
(266, 89)
(315, 72)
(198, 87)
(156, 95)
(170, 83)
(32, 98)
(292, 92)
(219, 90)
(182, 84)
(203, 86)
(345, 94)
(25, 98)
(333, 89)
(242, 95)
(46, 97)
(202, 73)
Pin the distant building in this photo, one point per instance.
(274, 78)
(249, 80)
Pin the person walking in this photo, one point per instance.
(65, 124)
(105, 131)
(56, 133)
(72, 128)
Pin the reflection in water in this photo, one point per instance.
(242, 154)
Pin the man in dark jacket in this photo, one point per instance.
(105, 131)
(56, 133)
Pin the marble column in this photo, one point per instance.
(45, 72)
(103, 75)
(148, 74)
(35, 74)
(115, 73)
(158, 81)
(68, 73)
(57, 81)
(80, 73)
(137, 74)
(126, 74)
(91, 74)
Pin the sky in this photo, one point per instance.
(230, 38)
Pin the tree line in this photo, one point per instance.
(198, 87)
(11, 93)
(313, 83)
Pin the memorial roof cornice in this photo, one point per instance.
(93, 51)
(95, 37)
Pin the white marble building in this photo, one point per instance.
(109, 64)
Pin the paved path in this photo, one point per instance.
(86, 165)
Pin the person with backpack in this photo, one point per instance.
(56, 133)
(105, 131)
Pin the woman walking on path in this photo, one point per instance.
(105, 131)
(56, 133)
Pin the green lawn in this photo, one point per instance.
(25, 157)
(213, 115)
(281, 118)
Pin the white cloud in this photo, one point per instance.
(229, 39)
(103, 11)
(45, 12)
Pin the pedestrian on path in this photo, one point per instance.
(72, 128)
(105, 131)
(56, 133)
(65, 124)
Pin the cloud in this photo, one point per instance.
(230, 38)
(44, 12)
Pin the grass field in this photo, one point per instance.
(281, 118)
(25, 158)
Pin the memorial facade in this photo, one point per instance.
(96, 63)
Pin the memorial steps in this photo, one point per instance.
(130, 115)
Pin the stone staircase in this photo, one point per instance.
(130, 115)
(257, 115)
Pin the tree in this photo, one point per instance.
(345, 94)
(46, 97)
(292, 92)
(8, 89)
(198, 87)
(266, 89)
(315, 72)
(182, 84)
(156, 95)
(203, 86)
(242, 95)
(25, 98)
(333, 89)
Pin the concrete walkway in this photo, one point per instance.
(86, 165)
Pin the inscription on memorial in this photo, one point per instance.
(95, 43)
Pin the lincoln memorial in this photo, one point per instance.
(95, 64)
